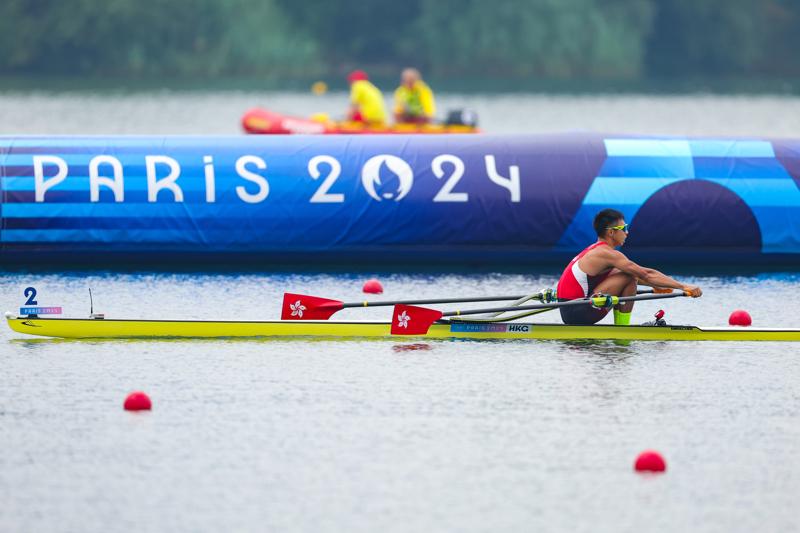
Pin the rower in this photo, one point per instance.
(601, 269)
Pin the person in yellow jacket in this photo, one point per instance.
(366, 100)
(413, 100)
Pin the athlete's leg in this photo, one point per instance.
(619, 284)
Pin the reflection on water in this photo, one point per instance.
(611, 350)
(413, 347)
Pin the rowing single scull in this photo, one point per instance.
(89, 328)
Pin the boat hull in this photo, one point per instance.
(130, 329)
(264, 122)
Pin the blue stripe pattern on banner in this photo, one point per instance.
(119, 236)
(625, 191)
(738, 168)
(65, 197)
(731, 148)
(160, 209)
(123, 239)
(646, 166)
(116, 222)
(647, 148)
(636, 169)
(765, 192)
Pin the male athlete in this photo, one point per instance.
(602, 269)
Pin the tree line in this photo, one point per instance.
(513, 39)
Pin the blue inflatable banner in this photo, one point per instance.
(410, 198)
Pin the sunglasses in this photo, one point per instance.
(623, 227)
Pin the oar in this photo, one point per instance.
(305, 307)
(547, 295)
(411, 320)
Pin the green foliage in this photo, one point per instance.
(546, 38)
(712, 37)
(355, 31)
(782, 43)
(165, 37)
(513, 39)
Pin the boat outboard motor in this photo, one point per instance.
(462, 117)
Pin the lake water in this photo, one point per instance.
(392, 435)
(219, 113)
(404, 435)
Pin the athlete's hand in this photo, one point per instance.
(693, 290)
(661, 290)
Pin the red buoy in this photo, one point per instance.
(740, 317)
(373, 286)
(138, 401)
(650, 461)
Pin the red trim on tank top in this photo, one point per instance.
(569, 287)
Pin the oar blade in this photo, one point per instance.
(305, 307)
(413, 320)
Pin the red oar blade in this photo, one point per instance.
(412, 320)
(304, 307)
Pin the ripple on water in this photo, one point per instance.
(392, 435)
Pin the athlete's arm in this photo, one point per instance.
(648, 276)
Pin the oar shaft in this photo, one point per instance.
(569, 303)
(432, 301)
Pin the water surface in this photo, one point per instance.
(392, 435)
(219, 113)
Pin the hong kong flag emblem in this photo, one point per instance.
(412, 320)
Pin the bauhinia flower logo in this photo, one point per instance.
(402, 320)
(297, 309)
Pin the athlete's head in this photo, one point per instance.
(610, 224)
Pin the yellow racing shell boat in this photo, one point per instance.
(94, 328)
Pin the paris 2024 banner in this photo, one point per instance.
(448, 198)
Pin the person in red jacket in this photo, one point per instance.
(602, 269)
